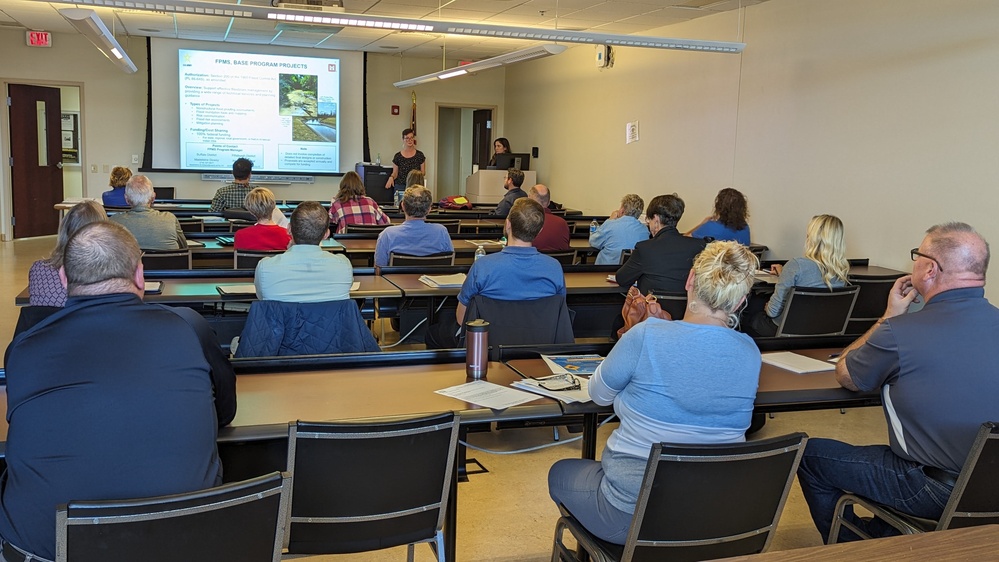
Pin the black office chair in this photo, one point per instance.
(626, 255)
(236, 225)
(239, 522)
(248, 259)
(541, 321)
(871, 301)
(154, 260)
(974, 500)
(700, 502)
(238, 213)
(370, 484)
(368, 228)
(452, 225)
(564, 258)
(811, 311)
(442, 258)
(191, 224)
(673, 303)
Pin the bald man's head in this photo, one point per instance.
(959, 249)
(540, 194)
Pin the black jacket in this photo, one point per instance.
(662, 263)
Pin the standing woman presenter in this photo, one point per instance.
(405, 161)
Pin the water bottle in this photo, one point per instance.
(593, 226)
(476, 348)
(503, 240)
(479, 252)
(378, 159)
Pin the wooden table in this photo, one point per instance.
(364, 248)
(955, 545)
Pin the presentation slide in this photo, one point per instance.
(281, 112)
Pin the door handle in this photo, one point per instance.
(59, 165)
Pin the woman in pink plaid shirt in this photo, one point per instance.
(352, 206)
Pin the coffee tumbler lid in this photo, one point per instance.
(477, 325)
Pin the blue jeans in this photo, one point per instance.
(575, 483)
(831, 468)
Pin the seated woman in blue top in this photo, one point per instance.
(824, 265)
(685, 381)
(729, 219)
(115, 197)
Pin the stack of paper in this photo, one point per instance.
(443, 281)
(487, 395)
(567, 396)
(796, 363)
(573, 364)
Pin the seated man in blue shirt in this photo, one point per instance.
(109, 398)
(517, 273)
(621, 231)
(415, 236)
(305, 273)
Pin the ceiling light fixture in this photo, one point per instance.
(508, 58)
(90, 26)
(405, 24)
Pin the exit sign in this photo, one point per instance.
(39, 39)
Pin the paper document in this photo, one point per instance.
(195, 244)
(153, 287)
(796, 363)
(443, 281)
(485, 242)
(573, 364)
(241, 289)
(612, 278)
(488, 395)
(764, 276)
(567, 396)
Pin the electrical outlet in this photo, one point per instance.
(135, 158)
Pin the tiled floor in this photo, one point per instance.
(505, 514)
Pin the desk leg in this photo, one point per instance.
(589, 436)
(451, 516)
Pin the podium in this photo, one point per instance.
(486, 186)
(374, 178)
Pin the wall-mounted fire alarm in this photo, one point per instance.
(395, 110)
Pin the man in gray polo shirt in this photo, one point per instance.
(936, 370)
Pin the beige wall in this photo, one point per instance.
(879, 112)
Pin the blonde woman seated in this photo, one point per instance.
(352, 206)
(266, 234)
(824, 265)
(685, 381)
(44, 285)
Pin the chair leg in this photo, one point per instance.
(555, 431)
(410, 552)
(439, 541)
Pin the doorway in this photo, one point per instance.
(462, 134)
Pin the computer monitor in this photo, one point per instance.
(507, 160)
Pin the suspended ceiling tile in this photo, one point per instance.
(613, 11)
(398, 10)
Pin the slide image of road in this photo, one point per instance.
(321, 129)
(298, 94)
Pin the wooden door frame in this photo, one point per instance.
(6, 181)
(457, 105)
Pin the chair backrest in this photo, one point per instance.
(366, 227)
(539, 321)
(238, 213)
(238, 522)
(275, 328)
(811, 311)
(871, 301)
(442, 258)
(248, 259)
(674, 303)
(165, 193)
(239, 224)
(700, 502)
(975, 499)
(564, 258)
(166, 259)
(369, 484)
(452, 225)
(191, 224)
(626, 254)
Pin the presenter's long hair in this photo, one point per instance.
(825, 244)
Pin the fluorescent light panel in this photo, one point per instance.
(508, 58)
(405, 24)
(89, 24)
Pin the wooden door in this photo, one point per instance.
(482, 136)
(36, 150)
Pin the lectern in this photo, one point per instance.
(486, 186)
(374, 178)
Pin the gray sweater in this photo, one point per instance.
(798, 272)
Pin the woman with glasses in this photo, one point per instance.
(824, 265)
(685, 381)
(405, 161)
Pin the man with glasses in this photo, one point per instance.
(936, 372)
